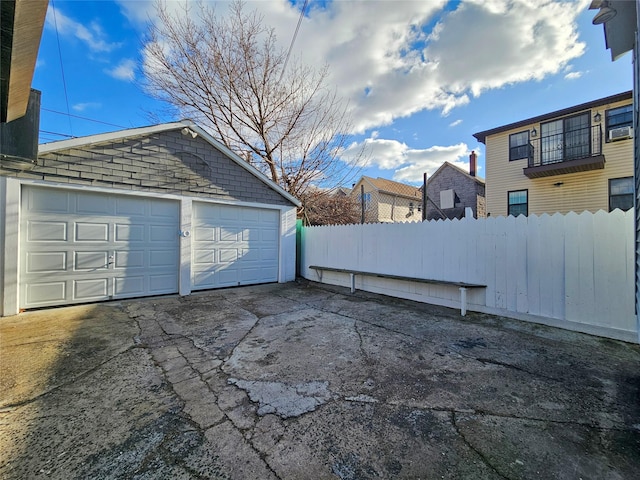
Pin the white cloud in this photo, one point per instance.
(573, 75)
(81, 107)
(124, 71)
(408, 164)
(455, 123)
(388, 63)
(93, 35)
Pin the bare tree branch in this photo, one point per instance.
(226, 73)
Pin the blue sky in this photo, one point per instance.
(420, 76)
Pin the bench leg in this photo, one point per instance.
(463, 301)
(353, 282)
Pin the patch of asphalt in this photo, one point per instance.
(284, 400)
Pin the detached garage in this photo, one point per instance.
(147, 211)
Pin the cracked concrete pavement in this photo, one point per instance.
(301, 381)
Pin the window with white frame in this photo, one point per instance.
(619, 117)
(621, 193)
(518, 203)
(519, 147)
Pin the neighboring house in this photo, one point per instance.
(450, 190)
(342, 192)
(576, 159)
(156, 210)
(388, 201)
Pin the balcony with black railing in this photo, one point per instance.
(574, 151)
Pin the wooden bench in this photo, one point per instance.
(463, 286)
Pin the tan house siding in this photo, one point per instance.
(389, 206)
(394, 208)
(558, 193)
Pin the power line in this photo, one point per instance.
(56, 133)
(64, 82)
(82, 118)
(293, 39)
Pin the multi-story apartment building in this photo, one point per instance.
(575, 159)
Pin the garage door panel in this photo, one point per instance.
(204, 257)
(50, 202)
(270, 217)
(269, 235)
(162, 233)
(164, 209)
(250, 255)
(234, 245)
(162, 258)
(92, 232)
(203, 234)
(129, 233)
(129, 259)
(250, 215)
(227, 277)
(230, 234)
(130, 286)
(229, 213)
(163, 284)
(94, 289)
(93, 204)
(91, 260)
(42, 231)
(38, 262)
(266, 253)
(46, 293)
(130, 206)
(228, 255)
(109, 255)
(251, 275)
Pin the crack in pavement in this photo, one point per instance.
(14, 406)
(482, 456)
(173, 339)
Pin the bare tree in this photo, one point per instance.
(322, 207)
(227, 73)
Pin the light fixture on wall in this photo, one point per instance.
(188, 131)
(534, 132)
(605, 14)
(597, 117)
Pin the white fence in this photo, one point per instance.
(572, 271)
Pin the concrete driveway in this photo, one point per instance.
(302, 381)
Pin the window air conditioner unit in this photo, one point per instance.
(620, 133)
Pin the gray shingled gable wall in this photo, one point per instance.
(165, 162)
(466, 188)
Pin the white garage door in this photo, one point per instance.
(233, 245)
(87, 246)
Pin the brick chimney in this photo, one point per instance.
(472, 164)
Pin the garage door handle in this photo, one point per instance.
(110, 262)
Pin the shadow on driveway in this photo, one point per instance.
(305, 381)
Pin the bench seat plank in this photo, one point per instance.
(463, 286)
(399, 277)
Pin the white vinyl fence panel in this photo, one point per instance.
(573, 271)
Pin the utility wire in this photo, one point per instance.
(55, 133)
(64, 82)
(293, 39)
(83, 118)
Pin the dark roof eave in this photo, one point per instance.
(481, 136)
